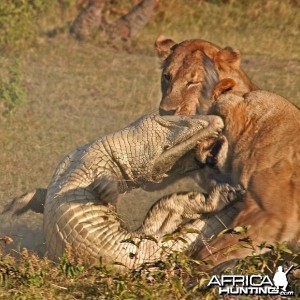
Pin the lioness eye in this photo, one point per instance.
(167, 77)
(191, 83)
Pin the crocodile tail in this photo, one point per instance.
(34, 200)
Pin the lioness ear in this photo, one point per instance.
(163, 47)
(222, 86)
(229, 56)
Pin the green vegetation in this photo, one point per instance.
(176, 277)
(72, 93)
(21, 20)
(12, 92)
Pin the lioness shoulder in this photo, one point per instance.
(263, 155)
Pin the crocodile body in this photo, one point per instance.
(91, 176)
(77, 209)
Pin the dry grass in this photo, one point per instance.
(269, 27)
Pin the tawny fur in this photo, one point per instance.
(262, 130)
(191, 69)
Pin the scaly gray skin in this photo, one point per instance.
(95, 173)
(76, 211)
(94, 230)
(198, 218)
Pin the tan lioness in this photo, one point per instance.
(262, 130)
(191, 69)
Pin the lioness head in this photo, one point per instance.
(191, 69)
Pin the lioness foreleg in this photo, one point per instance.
(224, 247)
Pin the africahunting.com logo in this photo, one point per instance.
(253, 284)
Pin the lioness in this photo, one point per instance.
(191, 69)
(262, 130)
(261, 147)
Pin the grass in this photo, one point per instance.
(12, 93)
(268, 27)
(79, 91)
(175, 277)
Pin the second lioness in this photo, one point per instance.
(261, 152)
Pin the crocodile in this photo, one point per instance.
(79, 202)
